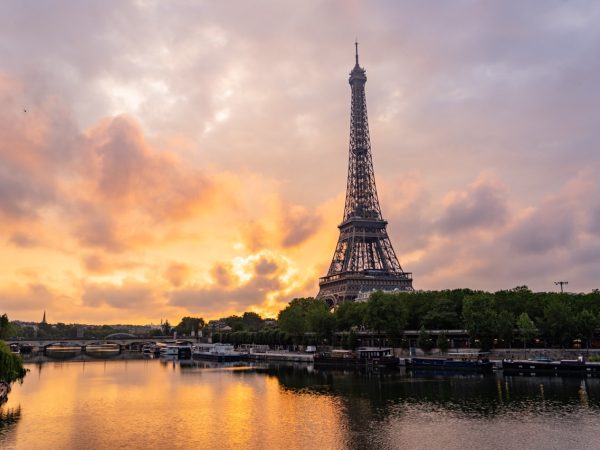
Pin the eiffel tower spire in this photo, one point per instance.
(364, 258)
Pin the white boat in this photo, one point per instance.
(176, 350)
(216, 352)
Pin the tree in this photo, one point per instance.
(505, 327)
(385, 312)
(557, 322)
(304, 315)
(480, 319)
(7, 329)
(442, 316)
(350, 314)
(320, 320)
(235, 322)
(587, 323)
(442, 343)
(166, 328)
(424, 341)
(292, 319)
(189, 325)
(526, 328)
(252, 321)
(11, 365)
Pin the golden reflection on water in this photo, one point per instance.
(143, 404)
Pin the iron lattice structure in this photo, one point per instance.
(364, 258)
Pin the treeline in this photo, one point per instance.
(498, 318)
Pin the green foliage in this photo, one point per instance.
(189, 325)
(480, 319)
(351, 314)
(424, 341)
(166, 328)
(252, 321)
(526, 327)
(442, 343)
(586, 323)
(557, 323)
(7, 329)
(505, 327)
(11, 365)
(442, 316)
(304, 315)
(387, 313)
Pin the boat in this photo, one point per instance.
(564, 367)
(104, 350)
(457, 362)
(216, 352)
(180, 351)
(362, 357)
(62, 350)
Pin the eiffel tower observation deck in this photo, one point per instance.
(364, 259)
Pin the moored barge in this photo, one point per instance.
(566, 367)
(361, 358)
(455, 362)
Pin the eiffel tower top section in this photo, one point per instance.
(363, 259)
(361, 193)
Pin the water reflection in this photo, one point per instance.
(159, 403)
(9, 418)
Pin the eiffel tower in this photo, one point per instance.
(364, 259)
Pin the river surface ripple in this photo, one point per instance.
(158, 404)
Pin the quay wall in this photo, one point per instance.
(510, 353)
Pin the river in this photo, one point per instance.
(160, 405)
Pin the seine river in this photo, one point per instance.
(160, 405)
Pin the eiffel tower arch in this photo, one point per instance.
(364, 259)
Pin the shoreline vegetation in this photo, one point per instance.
(517, 317)
(510, 318)
(11, 365)
(11, 370)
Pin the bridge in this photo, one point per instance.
(123, 340)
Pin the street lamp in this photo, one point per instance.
(561, 283)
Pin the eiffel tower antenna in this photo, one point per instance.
(363, 259)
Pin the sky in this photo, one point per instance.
(164, 159)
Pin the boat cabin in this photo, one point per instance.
(373, 352)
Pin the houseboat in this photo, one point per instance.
(566, 367)
(362, 357)
(216, 352)
(179, 351)
(459, 362)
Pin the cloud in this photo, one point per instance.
(257, 282)
(298, 224)
(216, 139)
(177, 274)
(23, 240)
(27, 299)
(128, 295)
(483, 205)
